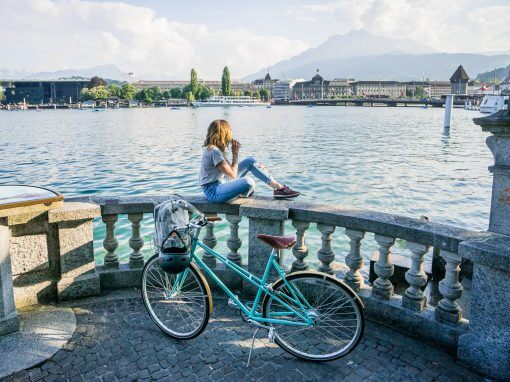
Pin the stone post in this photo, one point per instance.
(234, 242)
(383, 288)
(326, 254)
(110, 243)
(78, 274)
(300, 250)
(354, 260)
(413, 297)
(135, 241)
(486, 347)
(9, 320)
(211, 241)
(266, 218)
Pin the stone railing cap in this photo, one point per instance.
(71, 211)
(265, 208)
(493, 251)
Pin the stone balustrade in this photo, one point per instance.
(409, 311)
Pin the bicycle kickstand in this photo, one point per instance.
(251, 349)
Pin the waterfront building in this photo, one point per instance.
(319, 88)
(282, 90)
(459, 81)
(379, 89)
(264, 83)
(504, 86)
(431, 89)
(42, 92)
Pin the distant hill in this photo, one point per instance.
(105, 71)
(499, 74)
(364, 56)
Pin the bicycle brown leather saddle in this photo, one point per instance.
(278, 242)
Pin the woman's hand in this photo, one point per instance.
(235, 147)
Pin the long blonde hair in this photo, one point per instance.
(219, 134)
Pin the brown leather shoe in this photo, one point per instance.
(284, 193)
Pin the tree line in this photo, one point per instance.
(98, 89)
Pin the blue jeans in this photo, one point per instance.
(218, 192)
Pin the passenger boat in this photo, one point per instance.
(229, 101)
(492, 103)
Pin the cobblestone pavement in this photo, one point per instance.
(116, 340)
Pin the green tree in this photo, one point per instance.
(226, 89)
(114, 91)
(2, 96)
(86, 94)
(176, 93)
(149, 95)
(190, 97)
(96, 81)
(193, 83)
(100, 92)
(264, 94)
(247, 93)
(255, 94)
(205, 92)
(128, 91)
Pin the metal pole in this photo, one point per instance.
(448, 105)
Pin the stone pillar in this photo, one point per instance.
(110, 243)
(266, 218)
(234, 242)
(499, 144)
(326, 254)
(9, 320)
(383, 288)
(354, 260)
(135, 241)
(300, 250)
(78, 274)
(486, 347)
(211, 241)
(413, 297)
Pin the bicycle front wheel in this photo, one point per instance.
(336, 312)
(179, 304)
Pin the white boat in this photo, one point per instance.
(492, 103)
(230, 101)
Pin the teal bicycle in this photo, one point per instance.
(311, 315)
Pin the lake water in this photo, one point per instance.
(396, 160)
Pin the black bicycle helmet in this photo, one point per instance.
(174, 253)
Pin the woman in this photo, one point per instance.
(215, 167)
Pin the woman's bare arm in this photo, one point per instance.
(228, 169)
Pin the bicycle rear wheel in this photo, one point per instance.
(336, 311)
(179, 304)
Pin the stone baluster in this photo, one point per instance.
(450, 288)
(234, 242)
(354, 260)
(413, 297)
(300, 250)
(211, 241)
(325, 254)
(110, 242)
(135, 241)
(383, 288)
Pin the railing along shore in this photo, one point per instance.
(441, 324)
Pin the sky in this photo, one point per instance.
(163, 39)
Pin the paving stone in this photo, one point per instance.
(116, 340)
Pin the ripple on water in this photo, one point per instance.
(397, 160)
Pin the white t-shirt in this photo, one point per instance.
(208, 171)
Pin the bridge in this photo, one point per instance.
(391, 102)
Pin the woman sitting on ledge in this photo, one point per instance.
(215, 166)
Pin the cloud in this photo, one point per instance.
(50, 35)
(449, 26)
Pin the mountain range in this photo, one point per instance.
(364, 56)
(110, 72)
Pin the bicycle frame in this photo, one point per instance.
(263, 288)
